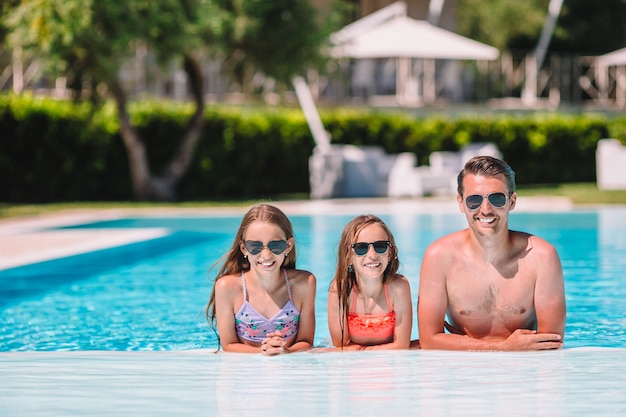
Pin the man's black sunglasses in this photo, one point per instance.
(476, 200)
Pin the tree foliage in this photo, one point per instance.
(271, 35)
(97, 37)
(591, 27)
(585, 27)
(92, 39)
(505, 24)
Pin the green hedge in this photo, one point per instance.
(63, 151)
(51, 151)
(541, 149)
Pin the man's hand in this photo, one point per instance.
(523, 339)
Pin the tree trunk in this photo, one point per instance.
(179, 164)
(136, 149)
(163, 188)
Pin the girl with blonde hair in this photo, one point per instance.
(260, 302)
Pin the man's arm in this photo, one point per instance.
(432, 303)
(549, 289)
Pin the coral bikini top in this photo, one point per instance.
(378, 326)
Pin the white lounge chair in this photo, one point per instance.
(406, 179)
(349, 171)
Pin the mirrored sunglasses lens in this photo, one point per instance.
(277, 246)
(380, 246)
(253, 246)
(473, 201)
(497, 199)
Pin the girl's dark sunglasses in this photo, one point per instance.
(361, 248)
(476, 200)
(254, 247)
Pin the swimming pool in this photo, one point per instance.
(150, 295)
(122, 330)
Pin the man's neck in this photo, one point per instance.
(492, 248)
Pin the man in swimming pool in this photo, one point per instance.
(491, 288)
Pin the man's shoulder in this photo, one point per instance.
(534, 243)
(448, 243)
(529, 237)
(451, 238)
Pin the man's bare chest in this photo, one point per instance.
(488, 293)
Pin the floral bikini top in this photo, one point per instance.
(379, 326)
(253, 326)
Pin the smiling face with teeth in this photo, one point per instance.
(371, 264)
(486, 220)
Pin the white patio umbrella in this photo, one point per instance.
(405, 38)
(613, 58)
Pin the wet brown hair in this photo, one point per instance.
(487, 166)
(344, 279)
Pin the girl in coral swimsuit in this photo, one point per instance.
(369, 303)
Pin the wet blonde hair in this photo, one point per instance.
(234, 262)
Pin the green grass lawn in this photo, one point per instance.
(582, 194)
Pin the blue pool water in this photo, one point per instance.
(150, 296)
